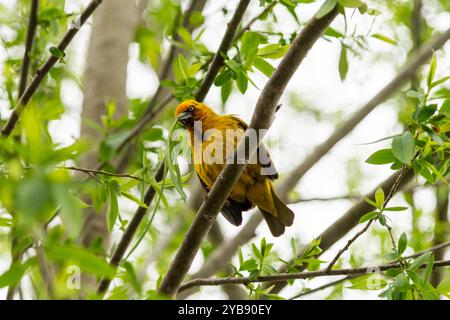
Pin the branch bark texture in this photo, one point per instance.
(262, 119)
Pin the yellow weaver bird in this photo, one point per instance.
(253, 188)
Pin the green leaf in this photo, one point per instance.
(248, 265)
(440, 81)
(262, 65)
(331, 32)
(225, 90)
(431, 71)
(82, 257)
(434, 170)
(402, 243)
(425, 113)
(57, 53)
(241, 81)
(351, 3)
(184, 66)
(70, 213)
(272, 51)
(113, 210)
(444, 286)
(249, 47)
(369, 216)
(384, 38)
(326, 8)
(134, 199)
(403, 147)
(223, 77)
(368, 282)
(420, 261)
(369, 201)
(379, 197)
(383, 156)
(396, 209)
(14, 274)
(391, 256)
(445, 108)
(343, 63)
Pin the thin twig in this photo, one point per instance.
(323, 287)
(324, 199)
(29, 42)
(26, 61)
(391, 193)
(349, 243)
(218, 59)
(299, 275)
(48, 65)
(256, 18)
(105, 173)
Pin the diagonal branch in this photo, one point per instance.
(391, 193)
(24, 71)
(224, 253)
(48, 65)
(299, 275)
(29, 42)
(148, 198)
(262, 118)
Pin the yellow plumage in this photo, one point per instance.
(209, 155)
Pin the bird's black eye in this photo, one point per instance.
(191, 108)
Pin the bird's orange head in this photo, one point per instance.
(190, 111)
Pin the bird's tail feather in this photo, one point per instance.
(284, 216)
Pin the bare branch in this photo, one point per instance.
(29, 42)
(248, 26)
(223, 49)
(262, 118)
(323, 287)
(48, 65)
(324, 199)
(105, 173)
(300, 275)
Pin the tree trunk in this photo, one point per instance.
(105, 81)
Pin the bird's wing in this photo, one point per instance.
(264, 159)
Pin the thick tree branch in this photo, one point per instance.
(300, 275)
(48, 65)
(263, 116)
(224, 253)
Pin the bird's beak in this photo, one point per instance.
(184, 117)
